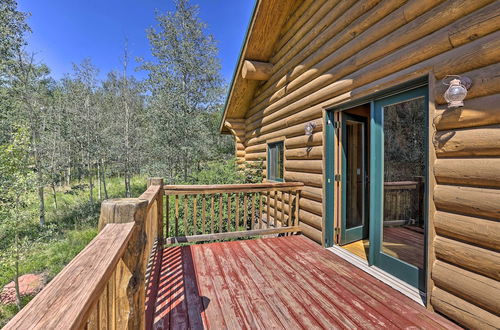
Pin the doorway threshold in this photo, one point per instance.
(394, 282)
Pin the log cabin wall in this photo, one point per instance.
(333, 51)
(237, 129)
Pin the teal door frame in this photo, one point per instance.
(358, 232)
(402, 270)
(329, 175)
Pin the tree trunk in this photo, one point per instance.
(68, 176)
(54, 194)
(99, 180)
(104, 180)
(41, 199)
(16, 275)
(91, 186)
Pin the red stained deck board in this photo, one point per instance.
(280, 283)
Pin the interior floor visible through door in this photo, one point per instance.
(404, 243)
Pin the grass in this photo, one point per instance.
(68, 229)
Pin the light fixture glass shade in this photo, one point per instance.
(455, 94)
(309, 128)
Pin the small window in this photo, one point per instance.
(275, 161)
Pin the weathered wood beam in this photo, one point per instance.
(235, 234)
(254, 70)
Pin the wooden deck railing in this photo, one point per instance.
(212, 212)
(403, 202)
(103, 287)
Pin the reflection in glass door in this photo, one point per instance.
(398, 167)
(354, 219)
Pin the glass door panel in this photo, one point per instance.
(404, 169)
(354, 226)
(399, 166)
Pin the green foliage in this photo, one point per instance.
(218, 172)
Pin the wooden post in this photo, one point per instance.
(159, 201)
(130, 281)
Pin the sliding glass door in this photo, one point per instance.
(398, 184)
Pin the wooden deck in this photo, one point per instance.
(287, 282)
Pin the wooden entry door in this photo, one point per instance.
(354, 179)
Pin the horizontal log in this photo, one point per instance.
(425, 29)
(310, 179)
(304, 203)
(479, 111)
(240, 153)
(256, 156)
(300, 117)
(311, 219)
(307, 166)
(468, 200)
(313, 140)
(470, 257)
(332, 39)
(305, 153)
(462, 312)
(313, 193)
(256, 148)
(296, 20)
(255, 70)
(468, 142)
(235, 234)
(476, 289)
(321, 19)
(240, 146)
(348, 75)
(300, 22)
(478, 231)
(468, 171)
(485, 81)
(288, 132)
(311, 232)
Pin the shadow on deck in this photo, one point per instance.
(286, 282)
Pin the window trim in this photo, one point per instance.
(269, 145)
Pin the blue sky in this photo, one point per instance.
(67, 31)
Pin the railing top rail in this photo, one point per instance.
(150, 194)
(66, 301)
(231, 188)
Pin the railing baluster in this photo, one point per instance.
(297, 197)
(195, 214)
(252, 216)
(228, 212)
(275, 222)
(203, 213)
(260, 210)
(237, 212)
(176, 215)
(245, 211)
(289, 219)
(282, 195)
(185, 214)
(268, 220)
(212, 214)
(167, 216)
(220, 213)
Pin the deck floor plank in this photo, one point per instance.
(399, 303)
(343, 299)
(277, 283)
(328, 301)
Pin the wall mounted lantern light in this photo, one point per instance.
(309, 128)
(457, 90)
